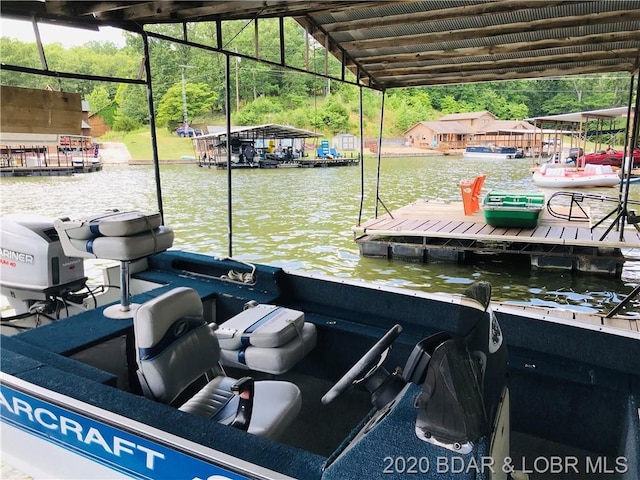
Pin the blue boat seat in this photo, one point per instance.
(115, 235)
(176, 348)
(266, 338)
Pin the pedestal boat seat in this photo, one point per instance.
(266, 338)
(114, 235)
(176, 347)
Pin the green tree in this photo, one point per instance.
(259, 111)
(449, 104)
(281, 96)
(98, 99)
(410, 106)
(335, 117)
(132, 109)
(199, 97)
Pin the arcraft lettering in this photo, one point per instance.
(75, 433)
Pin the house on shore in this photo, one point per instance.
(439, 135)
(456, 131)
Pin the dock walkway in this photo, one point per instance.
(424, 229)
(48, 171)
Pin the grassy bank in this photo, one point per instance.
(174, 148)
(170, 146)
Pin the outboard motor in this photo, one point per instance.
(465, 380)
(33, 265)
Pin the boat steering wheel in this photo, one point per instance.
(365, 367)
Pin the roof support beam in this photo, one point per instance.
(632, 35)
(492, 76)
(560, 23)
(534, 61)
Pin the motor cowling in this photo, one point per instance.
(33, 266)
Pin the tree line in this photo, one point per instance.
(264, 94)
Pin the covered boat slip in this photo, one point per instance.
(579, 371)
(41, 134)
(574, 386)
(377, 45)
(263, 146)
(426, 229)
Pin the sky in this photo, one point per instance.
(68, 37)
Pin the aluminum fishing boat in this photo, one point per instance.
(215, 368)
(185, 365)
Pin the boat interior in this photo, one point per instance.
(391, 382)
(573, 391)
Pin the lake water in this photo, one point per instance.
(302, 218)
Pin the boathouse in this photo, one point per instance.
(63, 148)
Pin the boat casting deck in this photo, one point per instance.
(443, 225)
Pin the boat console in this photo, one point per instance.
(454, 384)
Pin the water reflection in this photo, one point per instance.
(303, 218)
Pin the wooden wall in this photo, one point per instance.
(27, 110)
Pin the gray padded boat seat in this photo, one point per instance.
(175, 347)
(266, 338)
(121, 236)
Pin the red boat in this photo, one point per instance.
(609, 157)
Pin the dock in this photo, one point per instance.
(305, 162)
(48, 171)
(427, 230)
(35, 171)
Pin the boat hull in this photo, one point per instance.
(611, 157)
(490, 153)
(551, 176)
(91, 442)
(550, 359)
(488, 156)
(576, 181)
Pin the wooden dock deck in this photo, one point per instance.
(593, 320)
(48, 171)
(425, 229)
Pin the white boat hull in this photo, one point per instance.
(71, 404)
(90, 442)
(488, 156)
(576, 181)
(551, 176)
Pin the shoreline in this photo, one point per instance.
(117, 153)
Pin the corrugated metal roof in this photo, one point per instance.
(578, 117)
(260, 131)
(401, 44)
